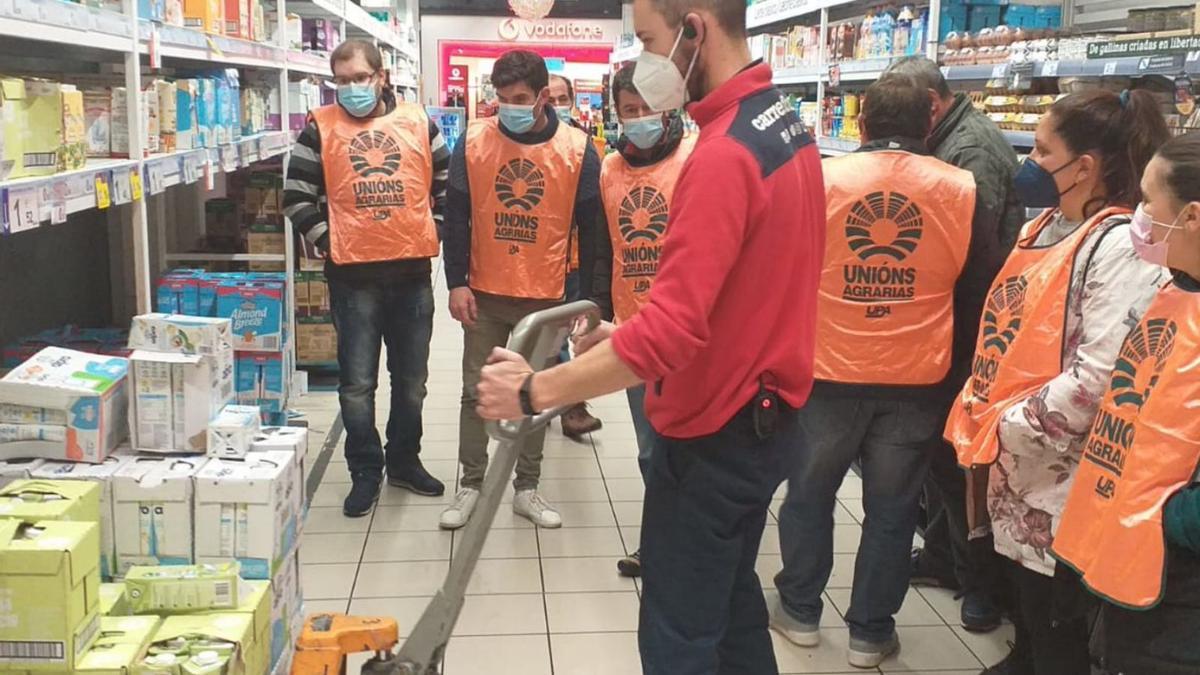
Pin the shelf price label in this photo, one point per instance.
(122, 188)
(191, 169)
(154, 178)
(1050, 69)
(999, 70)
(229, 158)
(103, 196)
(23, 209)
(1110, 67)
(135, 183)
(58, 202)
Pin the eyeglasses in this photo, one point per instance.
(360, 79)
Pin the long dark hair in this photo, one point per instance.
(1182, 155)
(1124, 130)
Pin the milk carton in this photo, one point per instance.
(180, 334)
(294, 440)
(97, 115)
(232, 432)
(179, 293)
(90, 391)
(152, 511)
(121, 644)
(102, 475)
(256, 310)
(174, 398)
(261, 380)
(245, 511)
(186, 92)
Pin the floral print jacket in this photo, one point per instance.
(1041, 439)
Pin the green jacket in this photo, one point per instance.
(968, 140)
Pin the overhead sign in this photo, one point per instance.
(458, 77)
(764, 12)
(516, 30)
(1157, 46)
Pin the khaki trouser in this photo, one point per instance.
(497, 317)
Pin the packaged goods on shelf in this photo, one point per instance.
(180, 334)
(97, 115)
(203, 643)
(168, 115)
(153, 121)
(119, 132)
(204, 15)
(316, 340)
(237, 19)
(173, 13)
(206, 112)
(50, 580)
(232, 432)
(99, 475)
(152, 10)
(43, 127)
(174, 398)
(222, 218)
(12, 134)
(265, 239)
(17, 469)
(122, 642)
(245, 510)
(184, 589)
(257, 311)
(320, 35)
(89, 388)
(113, 601)
(262, 197)
(186, 109)
(262, 380)
(179, 293)
(107, 341)
(152, 511)
(312, 294)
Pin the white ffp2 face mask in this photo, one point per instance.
(659, 81)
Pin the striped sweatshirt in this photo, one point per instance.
(304, 203)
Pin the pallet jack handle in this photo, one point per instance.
(538, 337)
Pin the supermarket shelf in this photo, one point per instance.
(802, 75)
(767, 12)
(867, 70)
(65, 23)
(1128, 66)
(1019, 139)
(357, 20)
(308, 62)
(833, 147)
(194, 45)
(226, 257)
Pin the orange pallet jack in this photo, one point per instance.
(327, 639)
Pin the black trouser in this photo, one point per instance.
(1051, 618)
(706, 504)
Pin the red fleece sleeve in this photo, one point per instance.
(712, 206)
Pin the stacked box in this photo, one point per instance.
(49, 590)
(256, 309)
(113, 601)
(81, 493)
(232, 433)
(168, 115)
(88, 389)
(152, 511)
(295, 441)
(204, 15)
(237, 19)
(316, 340)
(17, 469)
(194, 634)
(184, 589)
(121, 644)
(40, 112)
(174, 398)
(97, 115)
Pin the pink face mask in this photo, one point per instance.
(1140, 231)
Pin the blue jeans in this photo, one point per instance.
(706, 503)
(571, 289)
(641, 426)
(399, 314)
(892, 440)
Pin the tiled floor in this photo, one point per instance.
(550, 601)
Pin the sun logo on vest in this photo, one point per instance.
(643, 214)
(1132, 381)
(890, 217)
(1001, 323)
(374, 153)
(520, 184)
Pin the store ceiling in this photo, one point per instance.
(562, 8)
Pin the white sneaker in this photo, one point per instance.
(796, 632)
(457, 514)
(863, 654)
(529, 503)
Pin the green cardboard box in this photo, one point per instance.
(113, 601)
(35, 500)
(257, 603)
(184, 588)
(43, 128)
(121, 644)
(49, 593)
(226, 626)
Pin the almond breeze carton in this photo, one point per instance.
(256, 310)
(88, 388)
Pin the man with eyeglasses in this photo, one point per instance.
(366, 185)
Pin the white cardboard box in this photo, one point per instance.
(17, 469)
(294, 439)
(232, 432)
(152, 511)
(285, 605)
(102, 474)
(245, 511)
(180, 334)
(174, 396)
(88, 388)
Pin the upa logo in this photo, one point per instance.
(1132, 383)
(1001, 323)
(642, 221)
(375, 157)
(882, 229)
(520, 186)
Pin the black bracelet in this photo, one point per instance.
(526, 396)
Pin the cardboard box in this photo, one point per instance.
(261, 380)
(179, 294)
(237, 19)
(152, 10)
(262, 200)
(113, 601)
(286, 604)
(257, 311)
(73, 144)
(180, 334)
(171, 589)
(185, 114)
(119, 131)
(295, 441)
(44, 143)
(316, 340)
(174, 396)
(152, 511)
(204, 15)
(97, 121)
(12, 125)
(168, 114)
(256, 603)
(17, 469)
(231, 434)
(265, 243)
(245, 511)
(232, 627)
(122, 642)
(101, 476)
(49, 593)
(35, 500)
(173, 13)
(206, 112)
(152, 127)
(90, 389)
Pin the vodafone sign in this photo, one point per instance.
(549, 30)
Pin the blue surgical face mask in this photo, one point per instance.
(563, 112)
(644, 132)
(358, 99)
(1036, 187)
(518, 119)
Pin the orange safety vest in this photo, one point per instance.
(892, 257)
(522, 202)
(1020, 340)
(636, 203)
(1144, 447)
(378, 175)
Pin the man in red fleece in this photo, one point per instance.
(725, 342)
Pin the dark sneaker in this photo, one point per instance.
(1011, 665)
(979, 613)
(364, 492)
(631, 565)
(413, 476)
(577, 422)
(924, 574)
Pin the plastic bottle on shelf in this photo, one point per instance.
(904, 23)
(866, 34)
(917, 35)
(885, 23)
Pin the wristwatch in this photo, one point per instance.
(526, 396)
